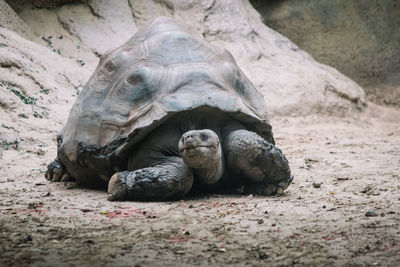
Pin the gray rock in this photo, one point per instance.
(359, 38)
(101, 24)
(371, 214)
(317, 184)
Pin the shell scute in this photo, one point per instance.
(177, 47)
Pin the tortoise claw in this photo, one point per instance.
(66, 178)
(117, 187)
(262, 189)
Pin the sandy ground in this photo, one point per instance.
(344, 168)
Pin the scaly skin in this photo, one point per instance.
(265, 166)
(164, 181)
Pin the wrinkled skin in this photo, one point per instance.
(201, 150)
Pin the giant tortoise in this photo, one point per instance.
(167, 112)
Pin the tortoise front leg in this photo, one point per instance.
(264, 165)
(171, 179)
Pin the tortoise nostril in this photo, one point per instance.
(187, 138)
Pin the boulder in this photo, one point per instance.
(80, 29)
(37, 88)
(359, 38)
(101, 24)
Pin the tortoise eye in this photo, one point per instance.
(203, 137)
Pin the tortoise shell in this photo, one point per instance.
(160, 71)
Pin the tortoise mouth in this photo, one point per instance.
(192, 147)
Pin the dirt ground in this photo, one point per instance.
(343, 208)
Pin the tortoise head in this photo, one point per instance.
(200, 148)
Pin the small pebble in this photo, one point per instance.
(316, 184)
(371, 214)
(47, 194)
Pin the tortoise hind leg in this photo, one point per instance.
(171, 179)
(264, 165)
(56, 172)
